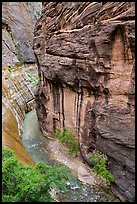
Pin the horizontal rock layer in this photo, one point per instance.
(18, 87)
(10, 135)
(85, 57)
(18, 91)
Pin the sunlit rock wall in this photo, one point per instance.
(18, 91)
(10, 135)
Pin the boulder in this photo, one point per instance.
(85, 176)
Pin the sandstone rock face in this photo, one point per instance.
(19, 19)
(18, 88)
(9, 52)
(85, 176)
(85, 57)
(10, 135)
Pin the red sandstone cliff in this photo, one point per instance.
(85, 56)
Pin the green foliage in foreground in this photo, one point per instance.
(101, 167)
(24, 183)
(68, 138)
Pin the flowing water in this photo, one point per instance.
(10, 135)
(38, 148)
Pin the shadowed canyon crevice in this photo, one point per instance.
(18, 21)
(85, 57)
(17, 84)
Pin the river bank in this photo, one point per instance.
(51, 152)
(18, 92)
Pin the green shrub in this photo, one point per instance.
(68, 138)
(20, 55)
(4, 21)
(101, 167)
(7, 76)
(15, 43)
(24, 183)
(11, 68)
(33, 78)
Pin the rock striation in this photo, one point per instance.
(10, 135)
(18, 21)
(17, 99)
(86, 63)
(9, 52)
(18, 88)
(18, 82)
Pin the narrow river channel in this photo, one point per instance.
(37, 147)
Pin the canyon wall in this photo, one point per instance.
(18, 21)
(17, 98)
(19, 80)
(85, 58)
(10, 135)
(18, 88)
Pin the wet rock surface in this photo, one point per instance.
(85, 57)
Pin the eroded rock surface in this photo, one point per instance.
(85, 57)
(18, 19)
(10, 135)
(9, 52)
(18, 88)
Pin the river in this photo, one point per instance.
(10, 135)
(38, 148)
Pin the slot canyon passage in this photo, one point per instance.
(71, 64)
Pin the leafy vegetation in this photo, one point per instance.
(67, 137)
(19, 53)
(24, 183)
(101, 167)
(17, 45)
(11, 68)
(33, 78)
(7, 76)
(10, 33)
(4, 21)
